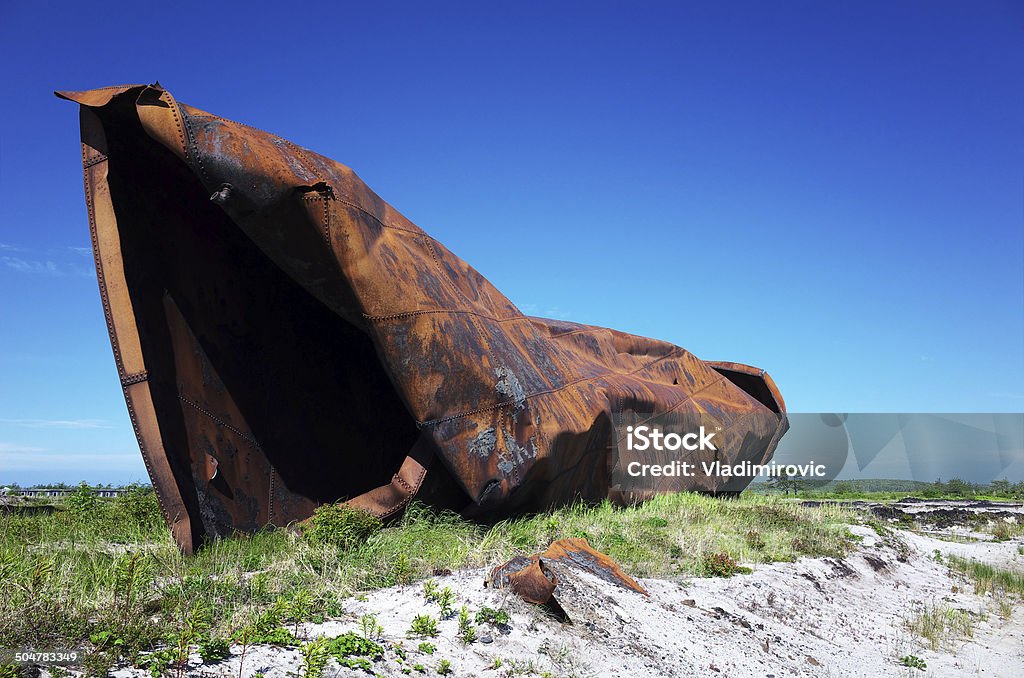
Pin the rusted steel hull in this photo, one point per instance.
(286, 338)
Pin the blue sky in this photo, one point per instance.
(831, 191)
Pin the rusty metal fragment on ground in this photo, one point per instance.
(533, 579)
(285, 338)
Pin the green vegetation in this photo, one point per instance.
(722, 565)
(988, 579)
(488, 615)
(104, 575)
(880, 489)
(913, 661)
(423, 626)
(467, 634)
(940, 624)
(350, 644)
(341, 525)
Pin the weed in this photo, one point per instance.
(941, 624)
(987, 578)
(214, 649)
(315, 655)
(423, 626)
(467, 634)
(83, 501)
(445, 599)
(427, 648)
(488, 615)
(444, 667)
(913, 661)
(353, 645)
(371, 627)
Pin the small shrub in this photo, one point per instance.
(754, 540)
(423, 626)
(430, 590)
(353, 645)
(315, 655)
(488, 615)
(371, 627)
(213, 649)
(341, 525)
(467, 634)
(722, 565)
(445, 599)
(82, 502)
(137, 509)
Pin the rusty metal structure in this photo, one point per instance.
(286, 338)
(533, 579)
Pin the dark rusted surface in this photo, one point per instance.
(532, 578)
(286, 338)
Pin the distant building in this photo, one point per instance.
(63, 492)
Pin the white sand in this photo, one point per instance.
(815, 617)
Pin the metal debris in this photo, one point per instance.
(533, 579)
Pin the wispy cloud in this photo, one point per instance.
(16, 449)
(59, 423)
(19, 458)
(31, 265)
(49, 261)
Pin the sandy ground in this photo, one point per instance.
(815, 617)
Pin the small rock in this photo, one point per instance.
(486, 639)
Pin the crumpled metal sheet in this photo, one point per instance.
(533, 579)
(285, 338)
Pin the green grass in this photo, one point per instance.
(940, 624)
(883, 489)
(108, 578)
(988, 578)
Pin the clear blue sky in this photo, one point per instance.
(832, 191)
